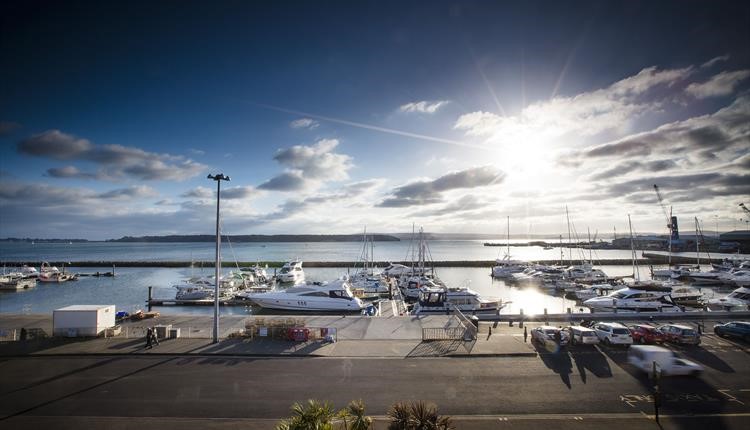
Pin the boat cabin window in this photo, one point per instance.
(315, 294)
(338, 294)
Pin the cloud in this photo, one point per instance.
(629, 167)
(197, 151)
(116, 161)
(468, 202)
(236, 193)
(585, 114)
(430, 191)
(198, 192)
(69, 172)
(423, 106)
(719, 85)
(288, 181)
(8, 127)
(308, 166)
(681, 187)
(308, 123)
(721, 136)
(715, 60)
(138, 191)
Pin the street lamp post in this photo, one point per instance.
(218, 178)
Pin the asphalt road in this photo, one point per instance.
(583, 381)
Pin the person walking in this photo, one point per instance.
(154, 337)
(149, 338)
(525, 335)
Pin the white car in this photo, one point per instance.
(613, 334)
(644, 356)
(551, 334)
(581, 335)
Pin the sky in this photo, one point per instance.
(330, 116)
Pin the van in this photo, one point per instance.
(581, 335)
(644, 356)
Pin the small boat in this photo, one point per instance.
(189, 291)
(334, 296)
(291, 272)
(737, 300)
(56, 277)
(445, 299)
(15, 282)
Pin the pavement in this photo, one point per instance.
(394, 337)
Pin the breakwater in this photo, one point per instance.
(278, 264)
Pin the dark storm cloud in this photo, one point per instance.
(427, 192)
(288, 181)
(8, 127)
(117, 161)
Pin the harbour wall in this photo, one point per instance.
(651, 259)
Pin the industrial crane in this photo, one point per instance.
(668, 216)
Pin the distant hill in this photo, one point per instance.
(259, 238)
(28, 239)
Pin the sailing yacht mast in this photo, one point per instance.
(570, 240)
(636, 275)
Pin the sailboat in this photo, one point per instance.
(505, 268)
(364, 278)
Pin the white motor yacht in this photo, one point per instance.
(737, 300)
(740, 278)
(631, 299)
(189, 291)
(334, 296)
(442, 300)
(505, 268)
(585, 273)
(596, 290)
(291, 272)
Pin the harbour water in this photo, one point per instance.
(128, 290)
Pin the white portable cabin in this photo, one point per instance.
(83, 320)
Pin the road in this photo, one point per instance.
(585, 380)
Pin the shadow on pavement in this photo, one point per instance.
(699, 354)
(556, 359)
(263, 347)
(435, 348)
(589, 358)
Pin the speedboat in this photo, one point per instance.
(334, 296)
(685, 295)
(632, 299)
(737, 300)
(445, 299)
(291, 272)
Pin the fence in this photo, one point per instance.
(443, 333)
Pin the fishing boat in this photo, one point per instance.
(334, 296)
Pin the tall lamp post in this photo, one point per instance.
(218, 178)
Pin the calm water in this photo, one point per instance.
(129, 289)
(452, 250)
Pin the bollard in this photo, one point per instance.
(569, 312)
(545, 316)
(149, 298)
(510, 323)
(520, 322)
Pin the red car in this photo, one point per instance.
(642, 333)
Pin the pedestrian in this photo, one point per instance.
(149, 336)
(525, 335)
(154, 337)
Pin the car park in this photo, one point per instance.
(740, 329)
(613, 334)
(579, 335)
(549, 334)
(680, 334)
(643, 333)
(644, 356)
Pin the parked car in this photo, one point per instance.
(546, 333)
(581, 335)
(643, 333)
(682, 334)
(613, 334)
(739, 329)
(644, 356)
